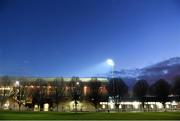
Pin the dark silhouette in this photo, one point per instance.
(22, 91)
(75, 86)
(59, 89)
(176, 86)
(117, 89)
(40, 92)
(161, 90)
(95, 95)
(140, 90)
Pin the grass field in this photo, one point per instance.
(8, 115)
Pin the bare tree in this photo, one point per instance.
(40, 92)
(95, 95)
(117, 89)
(5, 89)
(75, 86)
(140, 90)
(161, 90)
(176, 86)
(59, 89)
(22, 91)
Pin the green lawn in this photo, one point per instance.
(8, 115)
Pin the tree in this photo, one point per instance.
(75, 86)
(176, 86)
(140, 90)
(22, 91)
(5, 92)
(117, 89)
(161, 90)
(95, 95)
(59, 88)
(40, 92)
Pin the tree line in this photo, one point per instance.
(40, 91)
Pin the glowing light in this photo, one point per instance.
(36, 108)
(46, 107)
(5, 88)
(77, 83)
(17, 83)
(103, 106)
(174, 103)
(136, 104)
(159, 105)
(120, 106)
(6, 105)
(110, 62)
(85, 90)
(167, 106)
(152, 106)
(111, 105)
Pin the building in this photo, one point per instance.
(38, 94)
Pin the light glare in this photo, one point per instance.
(110, 62)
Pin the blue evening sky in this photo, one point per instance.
(73, 37)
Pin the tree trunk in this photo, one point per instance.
(164, 106)
(75, 106)
(19, 106)
(143, 106)
(1, 104)
(57, 107)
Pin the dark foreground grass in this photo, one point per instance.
(10, 115)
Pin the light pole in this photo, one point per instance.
(18, 94)
(76, 95)
(111, 63)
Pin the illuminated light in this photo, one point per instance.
(167, 106)
(168, 103)
(159, 105)
(17, 83)
(46, 107)
(127, 103)
(120, 106)
(103, 106)
(136, 104)
(5, 88)
(152, 106)
(49, 86)
(6, 105)
(85, 90)
(111, 104)
(77, 83)
(36, 108)
(32, 86)
(110, 62)
(173, 103)
(72, 105)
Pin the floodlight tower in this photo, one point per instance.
(111, 63)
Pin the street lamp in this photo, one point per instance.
(18, 95)
(111, 63)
